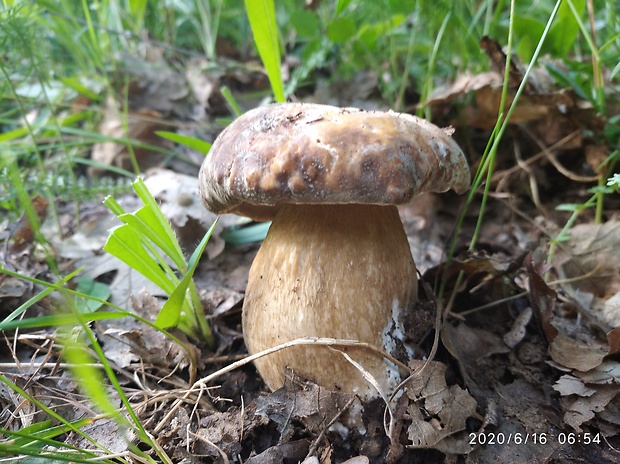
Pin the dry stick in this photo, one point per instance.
(242, 412)
(549, 153)
(45, 365)
(208, 442)
(532, 179)
(502, 175)
(388, 427)
(297, 342)
(492, 304)
(566, 172)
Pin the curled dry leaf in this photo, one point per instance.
(128, 341)
(292, 451)
(156, 94)
(588, 261)
(569, 345)
(314, 405)
(586, 395)
(593, 383)
(581, 355)
(23, 234)
(579, 410)
(11, 287)
(438, 412)
(555, 113)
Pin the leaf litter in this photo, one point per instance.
(518, 353)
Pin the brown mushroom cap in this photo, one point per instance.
(309, 154)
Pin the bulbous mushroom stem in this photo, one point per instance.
(336, 271)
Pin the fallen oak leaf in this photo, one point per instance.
(571, 385)
(438, 412)
(584, 409)
(607, 372)
(583, 356)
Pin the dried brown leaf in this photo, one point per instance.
(573, 353)
(607, 372)
(312, 404)
(292, 451)
(11, 287)
(222, 432)
(469, 344)
(446, 409)
(542, 299)
(584, 409)
(23, 235)
(613, 338)
(587, 394)
(588, 262)
(105, 432)
(570, 385)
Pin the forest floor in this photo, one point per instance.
(526, 368)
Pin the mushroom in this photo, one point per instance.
(336, 261)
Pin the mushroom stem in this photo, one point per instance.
(335, 271)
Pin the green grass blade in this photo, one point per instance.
(192, 142)
(146, 223)
(73, 426)
(39, 296)
(88, 376)
(170, 314)
(232, 102)
(173, 249)
(15, 134)
(56, 320)
(124, 243)
(262, 16)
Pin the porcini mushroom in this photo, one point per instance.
(336, 262)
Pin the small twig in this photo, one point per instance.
(203, 439)
(493, 304)
(297, 342)
(501, 176)
(566, 172)
(388, 426)
(226, 358)
(532, 178)
(242, 412)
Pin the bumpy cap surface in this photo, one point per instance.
(312, 154)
